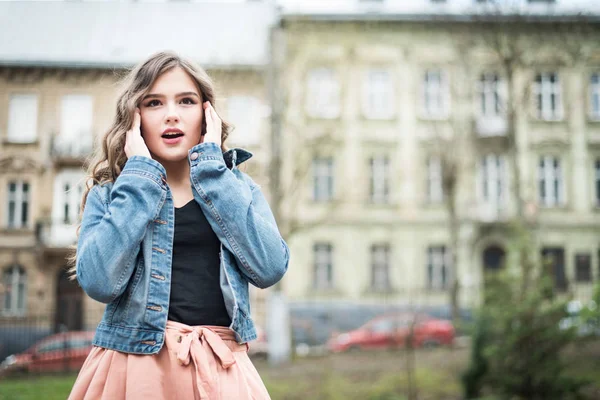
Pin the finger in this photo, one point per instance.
(137, 119)
(214, 115)
(208, 117)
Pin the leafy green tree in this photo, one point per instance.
(517, 348)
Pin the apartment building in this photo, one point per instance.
(371, 87)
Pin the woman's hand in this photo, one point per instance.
(134, 142)
(213, 124)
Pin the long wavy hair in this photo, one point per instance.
(107, 161)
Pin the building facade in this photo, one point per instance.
(373, 89)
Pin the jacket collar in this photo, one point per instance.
(236, 156)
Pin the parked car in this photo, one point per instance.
(65, 351)
(392, 330)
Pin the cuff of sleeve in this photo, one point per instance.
(208, 151)
(146, 166)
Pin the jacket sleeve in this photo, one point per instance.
(112, 229)
(240, 216)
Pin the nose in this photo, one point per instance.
(171, 115)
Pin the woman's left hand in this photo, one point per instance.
(213, 124)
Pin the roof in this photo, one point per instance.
(428, 10)
(120, 34)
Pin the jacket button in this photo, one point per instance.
(178, 339)
(194, 156)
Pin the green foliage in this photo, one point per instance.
(517, 350)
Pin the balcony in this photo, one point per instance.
(491, 126)
(490, 213)
(71, 151)
(55, 234)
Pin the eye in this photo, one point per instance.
(152, 103)
(188, 100)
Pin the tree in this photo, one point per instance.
(519, 341)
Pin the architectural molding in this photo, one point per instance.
(20, 164)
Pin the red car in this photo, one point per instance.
(392, 330)
(56, 353)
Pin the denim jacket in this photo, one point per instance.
(125, 245)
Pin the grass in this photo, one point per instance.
(364, 376)
(35, 388)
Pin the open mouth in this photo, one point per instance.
(172, 135)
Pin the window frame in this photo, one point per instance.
(543, 91)
(379, 179)
(323, 259)
(438, 267)
(441, 91)
(553, 176)
(491, 93)
(323, 179)
(493, 182)
(18, 277)
(20, 198)
(383, 90)
(323, 93)
(594, 92)
(380, 266)
(11, 136)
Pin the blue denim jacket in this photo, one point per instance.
(125, 245)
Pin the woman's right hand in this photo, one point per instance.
(134, 142)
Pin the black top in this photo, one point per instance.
(196, 297)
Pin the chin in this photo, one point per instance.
(173, 155)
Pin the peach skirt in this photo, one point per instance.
(196, 362)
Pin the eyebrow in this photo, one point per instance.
(149, 95)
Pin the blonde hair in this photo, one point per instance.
(106, 162)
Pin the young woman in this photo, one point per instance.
(171, 234)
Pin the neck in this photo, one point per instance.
(178, 172)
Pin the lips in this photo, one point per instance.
(172, 135)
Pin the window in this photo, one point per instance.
(386, 325)
(436, 99)
(548, 96)
(323, 179)
(551, 182)
(438, 267)
(490, 95)
(378, 99)
(244, 112)
(583, 267)
(15, 290)
(595, 96)
(53, 345)
(323, 95)
(553, 259)
(493, 179)
(435, 191)
(22, 118)
(597, 182)
(68, 192)
(380, 179)
(75, 137)
(18, 205)
(323, 259)
(380, 267)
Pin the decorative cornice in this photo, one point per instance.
(19, 164)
